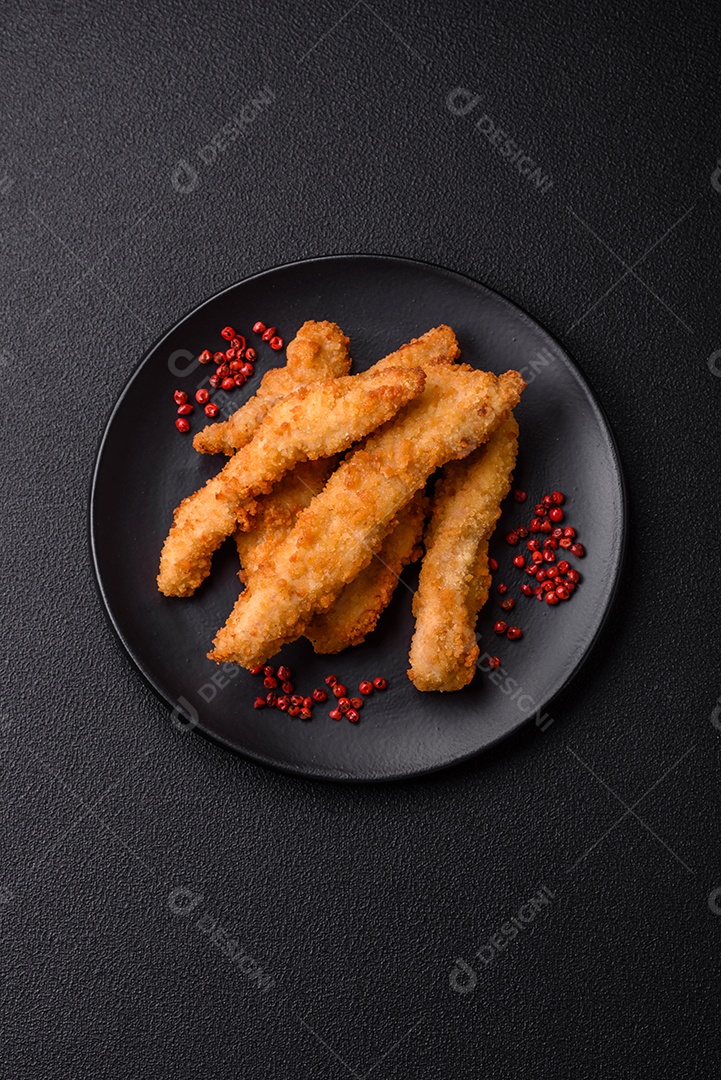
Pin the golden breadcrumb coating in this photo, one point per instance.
(361, 603)
(318, 351)
(338, 534)
(436, 346)
(454, 579)
(277, 512)
(315, 421)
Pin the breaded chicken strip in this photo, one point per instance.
(318, 351)
(436, 346)
(316, 421)
(362, 602)
(454, 579)
(338, 534)
(277, 512)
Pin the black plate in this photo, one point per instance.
(145, 468)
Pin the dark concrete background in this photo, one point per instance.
(126, 841)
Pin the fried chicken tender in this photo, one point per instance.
(338, 534)
(277, 512)
(436, 346)
(455, 579)
(362, 602)
(316, 421)
(318, 351)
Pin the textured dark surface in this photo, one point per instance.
(358, 901)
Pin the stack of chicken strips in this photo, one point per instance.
(322, 538)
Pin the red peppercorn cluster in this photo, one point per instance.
(287, 700)
(555, 579)
(269, 334)
(302, 706)
(513, 633)
(233, 367)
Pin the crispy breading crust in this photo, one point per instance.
(338, 534)
(436, 346)
(315, 421)
(454, 579)
(318, 351)
(362, 602)
(277, 512)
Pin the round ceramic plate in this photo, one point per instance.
(145, 467)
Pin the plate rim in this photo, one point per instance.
(311, 771)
